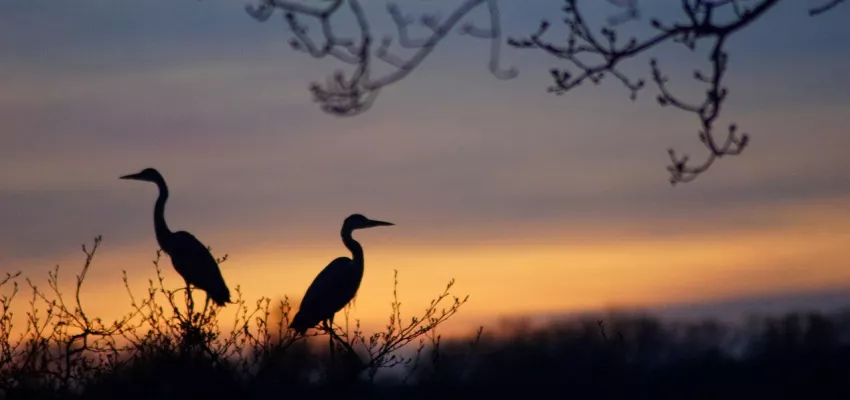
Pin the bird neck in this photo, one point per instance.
(353, 246)
(160, 227)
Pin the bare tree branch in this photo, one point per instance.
(351, 95)
(701, 24)
(825, 7)
(590, 53)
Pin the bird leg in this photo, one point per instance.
(206, 305)
(190, 302)
(328, 323)
(329, 326)
(348, 350)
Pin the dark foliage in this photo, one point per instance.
(163, 349)
(798, 355)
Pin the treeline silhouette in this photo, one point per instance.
(163, 348)
(796, 355)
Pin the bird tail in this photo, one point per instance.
(299, 323)
(220, 297)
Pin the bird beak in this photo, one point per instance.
(131, 176)
(373, 223)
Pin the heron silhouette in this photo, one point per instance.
(337, 284)
(190, 257)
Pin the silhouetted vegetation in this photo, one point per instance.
(798, 355)
(589, 51)
(163, 348)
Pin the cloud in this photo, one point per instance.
(450, 154)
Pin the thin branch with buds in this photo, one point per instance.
(352, 95)
(592, 54)
(825, 7)
(701, 24)
(702, 21)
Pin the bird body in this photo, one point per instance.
(190, 258)
(192, 254)
(330, 292)
(338, 282)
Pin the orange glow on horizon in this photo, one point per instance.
(804, 250)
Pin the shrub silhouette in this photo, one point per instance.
(163, 348)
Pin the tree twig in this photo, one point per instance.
(348, 95)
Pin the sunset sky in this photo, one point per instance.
(535, 204)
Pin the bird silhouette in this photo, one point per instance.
(338, 283)
(190, 257)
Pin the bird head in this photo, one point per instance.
(147, 175)
(358, 221)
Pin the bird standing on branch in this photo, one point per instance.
(337, 284)
(190, 257)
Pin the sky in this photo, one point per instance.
(535, 204)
